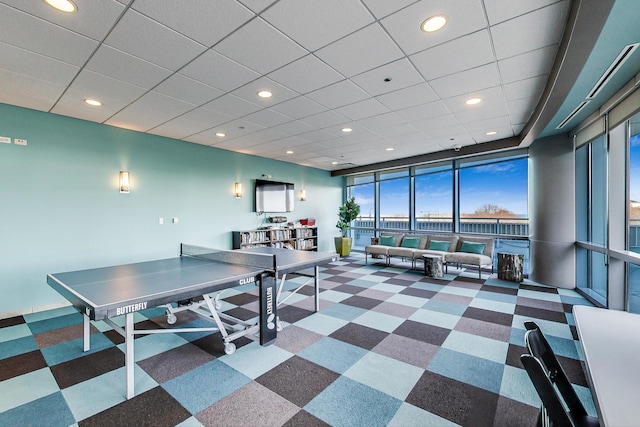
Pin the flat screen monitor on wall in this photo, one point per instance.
(273, 196)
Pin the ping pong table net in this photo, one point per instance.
(247, 259)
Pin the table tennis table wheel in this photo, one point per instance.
(229, 348)
(171, 318)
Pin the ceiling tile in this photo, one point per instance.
(260, 47)
(444, 59)
(468, 81)
(381, 121)
(267, 118)
(296, 17)
(296, 75)
(397, 130)
(232, 105)
(503, 10)
(488, 124)
(465, 17)
(295, 127)
(299, 107)
(344, 54)
(25, 91)
(179, 128)
(481, 112)
(140, 36)
(325, 119)
(423, 111)
(233, 129)
(429, 125)
(489, 96)
(94, 18)
(28, 32)
(204, 21)
(360, 110)
(408, 97)
(204, 116)
(250, 92)
(20, 61)
(401, 72)
(524, 88)
(502, 132)
(316, 136)
(531, 64)
(122, 66)
(189, 90)
(149, 111)
(114, 95)
(256, 5)
(71, 104)
(520, 110)
(540, 28)
(382, 8)
(218, 71)
(338, 94)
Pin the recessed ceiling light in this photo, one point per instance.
(334, 163)
(63, 5)
(265, 94)
(390, 149)
(492, 132)
(473, 101)
(220, 134)
(346, 130)
(433, 23)
(93, 102)
(289, 152)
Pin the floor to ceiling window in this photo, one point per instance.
(634, 213)
(591, 214)
(363, 189)
(494, 195)
(434, 197)
(394, 199)
(492, 191)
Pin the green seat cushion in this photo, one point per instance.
(472, 247)
(410, 242)
(438, 245)
(387, 241)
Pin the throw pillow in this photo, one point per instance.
(472, 247)
(410, 242)
(438, 245)
(387, 241)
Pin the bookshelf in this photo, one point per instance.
(303, 238)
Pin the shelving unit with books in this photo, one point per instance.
(304, 238)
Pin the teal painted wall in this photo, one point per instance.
(61, 209)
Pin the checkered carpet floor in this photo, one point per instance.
(388, 347)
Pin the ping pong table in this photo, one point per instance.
(121, 290)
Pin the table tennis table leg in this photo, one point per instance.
(86, 333)
(316, 283)
(129, 360)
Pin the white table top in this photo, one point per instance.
(610, 340)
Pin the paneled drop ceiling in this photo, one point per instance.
(191, 70)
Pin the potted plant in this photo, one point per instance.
(346, 214)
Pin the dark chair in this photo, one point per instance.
(561, 406)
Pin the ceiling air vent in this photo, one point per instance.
(572, 114)
(622, 57)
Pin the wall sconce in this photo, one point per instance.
(124, 182)
(238, 190)
(303, 195)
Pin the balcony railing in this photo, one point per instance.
(511, 233)
(495, 226)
